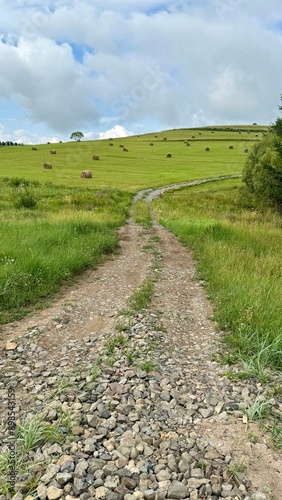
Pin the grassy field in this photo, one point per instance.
(238, 253)
(141, 166)
(48, 235)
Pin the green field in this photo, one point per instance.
(142, 166)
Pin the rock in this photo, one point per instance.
(101, 493)
(54, 493)
(11, 346)
(177, 490)
(41, 492)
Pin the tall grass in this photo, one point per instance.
(239, 254)
(46, 245)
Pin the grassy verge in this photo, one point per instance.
(50, 234)
(239, 255)
(142, 214)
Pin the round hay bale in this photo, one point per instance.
(165, 138)
(86, 174)
(48, 166)
(53, 151)
(110, 144)
(246, 150)
(125, 150)
(151, 144)
(200, 133)
(34, 149)
(193, 137)
(168, 155)
(121, 146)
(230, 147)
(96, 157)
(156, 136)
(207, 149)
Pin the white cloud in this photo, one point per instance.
(114, 132)
(78, 64)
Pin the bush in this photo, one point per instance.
(263, 171)
(25, 199)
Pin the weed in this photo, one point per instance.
(62, 385)
(94, 372)
(155, 239)
(258, 410)
(141, 298)
(253, 438)
(130, 356)
(235, 469)
(122, 327)
(148, 365)
(110, 347)
(110, 361)
(147, 247)
(120, 340)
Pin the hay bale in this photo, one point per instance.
(110, 144)
(187, 143)
(156, 136)
(193, 137)
(246, 150)
(168, 155)
(48, 166)
(125, 150)
(96, 157)
(121, 146)
(53, 151)
(151, 144)
(230, 147)
(207, 149)
(86, 174)
(34, 149)
(165, 138)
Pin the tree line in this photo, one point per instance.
(10, 143)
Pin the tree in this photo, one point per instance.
(263, 171)
(77, 136)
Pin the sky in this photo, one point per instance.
(114, 68)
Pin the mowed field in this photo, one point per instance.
(142, 166)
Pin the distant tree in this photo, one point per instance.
(77, 136)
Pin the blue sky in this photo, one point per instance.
(120, 67)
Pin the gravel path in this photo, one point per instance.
(142, 410)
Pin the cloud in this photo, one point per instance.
(114, 132)
(72, 64)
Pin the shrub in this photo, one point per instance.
(263, 171)
(25, 199)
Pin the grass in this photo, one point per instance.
(141, 298)
(142, 214)
(238, 252)
(31, 433)
(46, 245)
